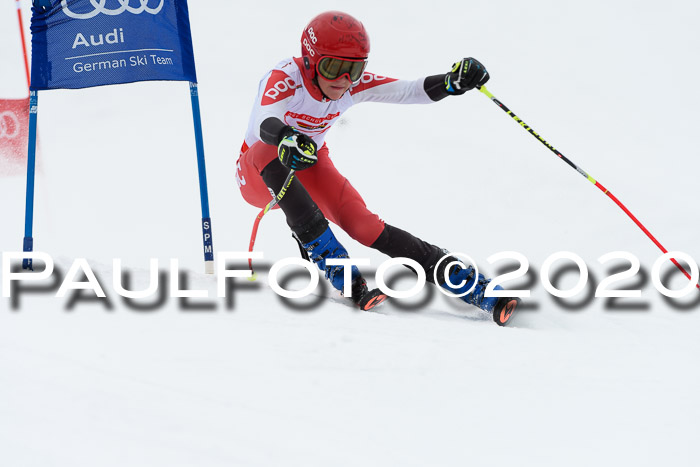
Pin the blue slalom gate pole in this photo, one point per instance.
(203, 193)
(31, 172)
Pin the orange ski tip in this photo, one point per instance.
(374, 302)
(508, 311)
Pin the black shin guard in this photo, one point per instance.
(312, 229)
(303, 215)
(395, 242)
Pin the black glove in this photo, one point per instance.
(296, 151)
(465, 75)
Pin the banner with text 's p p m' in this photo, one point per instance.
(86, 43)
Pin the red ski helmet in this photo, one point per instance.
(332, 33)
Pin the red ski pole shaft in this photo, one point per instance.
(270, 205)
(585, 174)
(24, 42)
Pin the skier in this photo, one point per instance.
(297, 103)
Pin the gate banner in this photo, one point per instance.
(86, 43)
(14, 132)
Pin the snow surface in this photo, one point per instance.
(252, 381)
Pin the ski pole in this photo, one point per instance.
(24, 42)
(585, 174)
(270, 205)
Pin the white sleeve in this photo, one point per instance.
(376, 88)
(262, 113)
(274, 93)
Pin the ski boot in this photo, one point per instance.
(501, 308)
(326, 246)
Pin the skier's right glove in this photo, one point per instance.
(296, 151)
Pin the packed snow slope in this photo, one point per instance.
(253, 380)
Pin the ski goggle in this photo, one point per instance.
(334, 68)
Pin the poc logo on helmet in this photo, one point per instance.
(280, 87)
(308, 47)
(312, 35)
(125, 5)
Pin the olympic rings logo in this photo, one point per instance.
(99, 6)
(9, 125)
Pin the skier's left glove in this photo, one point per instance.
(297, 151)
(465, 75)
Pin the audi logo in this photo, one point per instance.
(9, 125)
(99, 7)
